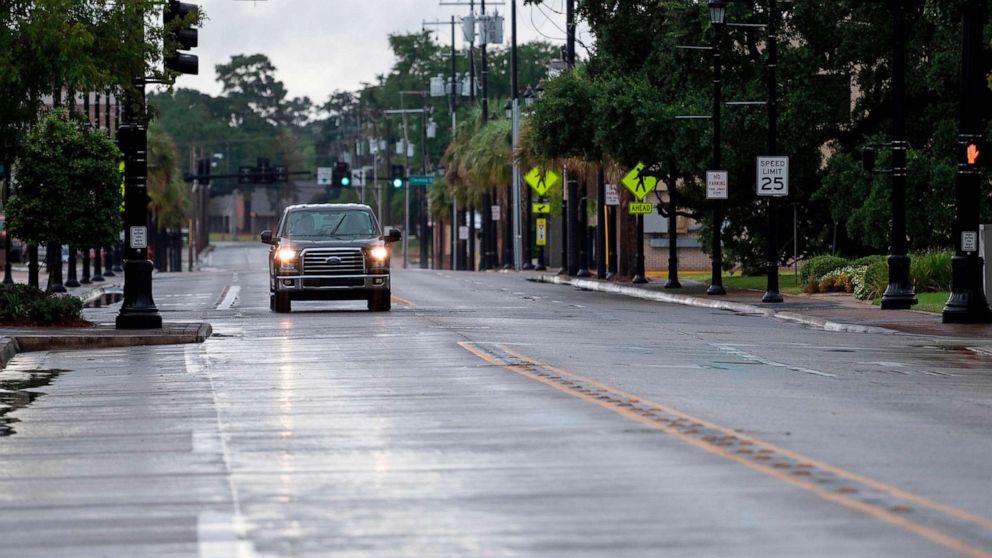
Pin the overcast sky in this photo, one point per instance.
(319, 46)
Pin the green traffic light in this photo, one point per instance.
(345, 181)
(397, 183)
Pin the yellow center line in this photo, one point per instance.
(402, 301)
(837, 497)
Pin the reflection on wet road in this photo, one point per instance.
(487, 416)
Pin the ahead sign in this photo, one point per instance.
(773, 176)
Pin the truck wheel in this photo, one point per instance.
(282, 303)
(380, 301)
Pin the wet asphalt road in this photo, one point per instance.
(489, 416)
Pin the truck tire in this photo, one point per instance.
(283, 305)
(380, 301)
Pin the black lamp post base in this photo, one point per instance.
(967, 303)
(540, 267)
(562, 271)
(899, 294)
(8, 278)
(639, 279)
(528, 267)
(673, 284)
(772, 297)
(138, 310)
(583, 273)
(716, 290)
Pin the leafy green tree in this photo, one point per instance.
(68, 188)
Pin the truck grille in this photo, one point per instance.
(333, 261)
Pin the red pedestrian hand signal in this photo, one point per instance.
(973, 153)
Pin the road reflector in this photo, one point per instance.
(640, 208)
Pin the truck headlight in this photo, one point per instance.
(379, 253)
(286, 255)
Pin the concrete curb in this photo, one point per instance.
(103, 336)
(636, 292)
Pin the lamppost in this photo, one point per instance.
(718, 13)
(967, 302)
(899, 294)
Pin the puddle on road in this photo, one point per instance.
(15, 394)
(105, 299)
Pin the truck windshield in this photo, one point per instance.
(330, 223)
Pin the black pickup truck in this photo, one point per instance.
(329, 252)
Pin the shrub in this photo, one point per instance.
(814, 269)
(930, 271)
(24, 303)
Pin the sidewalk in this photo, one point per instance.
(831, 312)
(14, 340)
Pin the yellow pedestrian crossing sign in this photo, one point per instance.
(638, 183)
(541, 208)
(541, 183)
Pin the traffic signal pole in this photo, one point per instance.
(967, 302)
(138, 310)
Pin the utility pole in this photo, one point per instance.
(571, 262)
(515, 94)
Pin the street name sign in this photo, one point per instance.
(541, 208)
(640, 208)
(716, 185)
(638, 183)
(612, 195)
(324, 176)
(421, 180)
(773, 176)
(542, 232)
(463, 232)
(541, 182)
(497, 212)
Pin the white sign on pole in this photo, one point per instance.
(324, 176)
(542, 232)
(139, 237)
(717, 185)
(463, 232)
(773, 176)
(497, 215)
(969, 241)
(612, 195)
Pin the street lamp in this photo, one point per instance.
(718, 12)
(899, 294)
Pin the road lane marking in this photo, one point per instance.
(842, 487)
(402, 301)
(748, 356)
(228, 297)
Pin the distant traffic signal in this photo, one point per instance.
(178, 19)
(341, 175)
(974, 153)
(397, 177)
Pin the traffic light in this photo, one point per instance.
(178, 19)
(341, 175)
(397, 176)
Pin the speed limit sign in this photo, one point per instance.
(773, 176)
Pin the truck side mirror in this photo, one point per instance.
(393, 236)
(266, 237)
